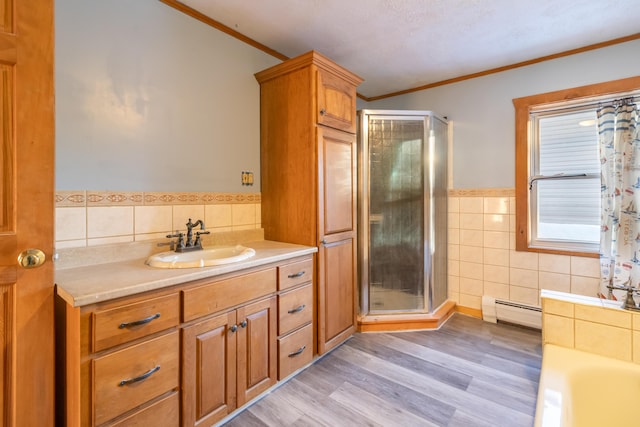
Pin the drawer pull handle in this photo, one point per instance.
(298, 351)
(139, 322)
(297, 309)
(298, 274)
(140, 378)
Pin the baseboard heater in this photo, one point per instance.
(494, 310)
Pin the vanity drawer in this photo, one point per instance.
(295, 351)
(165, 412)
(126, 323)
(295, 308)
(128, 378)
(295, 273)
(223, 294)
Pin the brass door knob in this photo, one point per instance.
(31, 258)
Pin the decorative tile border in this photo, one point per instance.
(482, 192)
(114, 198)
(66, 198)
(82, 198)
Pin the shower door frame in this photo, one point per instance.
(427, 118)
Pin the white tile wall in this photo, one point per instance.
(483, 260)
(109, 221)
(99, 225)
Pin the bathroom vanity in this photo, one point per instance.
(145, 346)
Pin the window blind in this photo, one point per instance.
(568, 209)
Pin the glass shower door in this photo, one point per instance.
(398, 211)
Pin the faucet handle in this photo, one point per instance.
(198, 233)
(180, 236)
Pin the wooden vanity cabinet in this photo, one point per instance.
(230, 358)
(117, 360)
(308, 173)
(186, 355)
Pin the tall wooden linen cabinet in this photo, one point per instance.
(308, 165)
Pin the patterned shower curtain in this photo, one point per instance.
(620, 185)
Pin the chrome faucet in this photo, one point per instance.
(189, 244)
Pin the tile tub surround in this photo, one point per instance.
(483, 260)
(90, 218)
(591, 325)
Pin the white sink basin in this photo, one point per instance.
(203, 258)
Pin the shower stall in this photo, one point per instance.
(402, 205)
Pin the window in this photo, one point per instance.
(558, 168)
(564, 182)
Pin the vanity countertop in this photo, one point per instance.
(86, 285)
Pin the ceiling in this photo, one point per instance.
(398, 45)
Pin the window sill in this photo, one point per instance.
(555, 251)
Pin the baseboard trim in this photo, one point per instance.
(406, 322)
(475, 312)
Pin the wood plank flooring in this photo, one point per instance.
(468, 373)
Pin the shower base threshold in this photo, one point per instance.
(406, 322)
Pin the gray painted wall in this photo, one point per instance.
(483, 115)
(150, 99)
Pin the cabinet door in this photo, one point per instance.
(209, 370)
(336, 293)
(336, 102)
(337, 182)
(257, 353)
(337, 237)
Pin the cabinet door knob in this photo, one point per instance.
(243, 324)
(323, 112)
(233, 328)
(323, 241)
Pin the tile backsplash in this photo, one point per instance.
(89, 218)
(483, 260)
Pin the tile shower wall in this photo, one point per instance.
(88, 218)
(483, 259)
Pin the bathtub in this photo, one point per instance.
(580, 389)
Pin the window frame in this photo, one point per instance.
(523, 107)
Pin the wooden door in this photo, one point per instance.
(336, 237)
(209, 370)
(26, 212)
(257, 354)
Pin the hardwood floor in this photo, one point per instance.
(468, 373)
